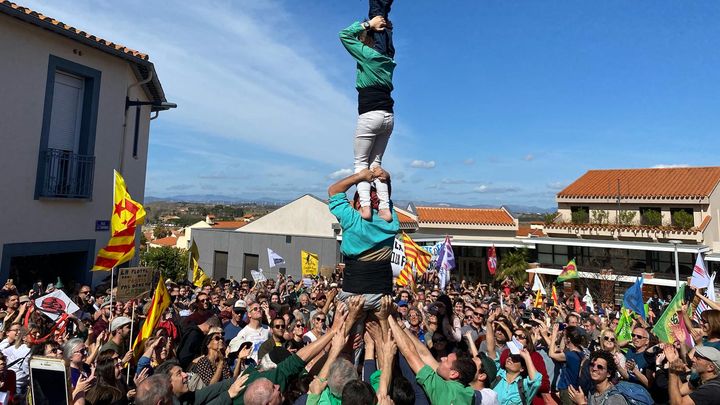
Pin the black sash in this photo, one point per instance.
(367, 277)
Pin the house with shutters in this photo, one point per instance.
(75, 107)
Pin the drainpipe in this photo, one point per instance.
(122, 141)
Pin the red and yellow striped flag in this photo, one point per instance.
(416, 255)
(127, 215)
(160, 302)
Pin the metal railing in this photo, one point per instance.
(67, 175)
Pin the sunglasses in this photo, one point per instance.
(279, 326)
(598, 366)
(639, 336)
(609, 338)
(299, 325)
(320, 319)
(520, 336)
(217, 338)
(515, 358)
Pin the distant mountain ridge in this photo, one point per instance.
(224, 199)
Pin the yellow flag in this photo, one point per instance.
(538, 299)
(309, 263)
(127, 215)
(199, 276)
(160, 302)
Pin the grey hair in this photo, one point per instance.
(341, 372)
(154, 389)
(69, 347)
(259, 392)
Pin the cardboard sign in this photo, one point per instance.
(55, 303)
(309, 264)
(397, 260)
(135, 281)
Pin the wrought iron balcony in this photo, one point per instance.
(67, 175)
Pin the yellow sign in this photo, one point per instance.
(309, 263)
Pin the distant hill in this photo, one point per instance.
(514, 209)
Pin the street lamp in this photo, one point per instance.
(675, 243)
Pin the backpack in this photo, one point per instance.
(634, 394)
(521, 390)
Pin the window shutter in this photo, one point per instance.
(66, 112)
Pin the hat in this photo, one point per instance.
(402, 303)
(105, 304)
(239, 304)
(119, 322)
(709, 353)
(235, 344)
(244, 280)
(24, 298)
(488, 366)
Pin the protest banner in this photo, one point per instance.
(397, 260)
(309, 263)
(55, 304)
(135, 281)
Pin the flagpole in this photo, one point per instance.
(112, 269)
(132, 324)
(112, 310)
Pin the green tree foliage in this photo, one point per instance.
(626, 217)
(549, 218)
(652, 218)
(580, 216)
(161, 232)
(600, 217)
(172, 262)
(513, 264)
(683, 219)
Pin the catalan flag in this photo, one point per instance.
(406, 278)
(415, 255)
(199, 278)
(556, 302)
(160, 302)
(569, 272)
(127, 215)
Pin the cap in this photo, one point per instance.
(709, 353)
(239, 304)
(402, 303)
(24, 298)
(105, 304)
(119, 322)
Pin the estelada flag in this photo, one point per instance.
(126, 216)
(415, 255)
(199, 278)
(309, 263)
(555, 296)
(569, 272)
(160, 302)
(492, 260)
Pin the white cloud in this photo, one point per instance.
(671, 166)
(338, 174)
(529, 157)
(556, 185)
(423, 164)
(488, 189)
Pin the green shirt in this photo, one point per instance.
(359, 235)
(373, 68)
(442, 391)
(280, 375)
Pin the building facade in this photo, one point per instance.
(65, 125)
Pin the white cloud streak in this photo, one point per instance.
(423, 164)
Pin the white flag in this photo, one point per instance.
(710, 294)
(55, 303)
(700, 276)
(537, 285)
(587, 299)
(274, 259)
(443, 276)
(258, 275)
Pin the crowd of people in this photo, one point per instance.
(290, 341)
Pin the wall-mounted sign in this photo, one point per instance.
(102, 225)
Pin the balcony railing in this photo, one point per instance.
(67, 175)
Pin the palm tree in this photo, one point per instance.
(513, 264)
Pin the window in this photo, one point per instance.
(682, 217)
(288, 239)
(66, 161)
(650, 216)
(580, 214)
(220, 264)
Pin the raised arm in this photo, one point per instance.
(554, 353)
(406, 346)
(351, 42)
(311, 350)
(344, 185)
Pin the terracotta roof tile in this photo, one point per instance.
(464, 216)
(72, 31)
(228, 224)
(682, 182)
(167, 241)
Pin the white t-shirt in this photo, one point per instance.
(21, 368)
(489, 397)
(256, 336)
(309, 337)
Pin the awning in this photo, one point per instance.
(619, 244)
(612, 277)
(715, 257)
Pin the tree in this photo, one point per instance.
(600, 217)
(172, 262)
(549, 218)
(513, 264)
(652, 218)
(580, 216)
(161, 232)
(626, 217)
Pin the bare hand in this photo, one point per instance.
(365, 175)
(141, 376)
(356, 306)
(380, 173)
(238, 386)
(377, 23)
(317, 386)
(577, 396)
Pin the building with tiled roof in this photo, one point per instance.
(78, 107)
(168, 241)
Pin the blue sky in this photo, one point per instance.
(497, 102)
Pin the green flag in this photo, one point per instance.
(623, 331)
(569, 272)
(669, 320)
